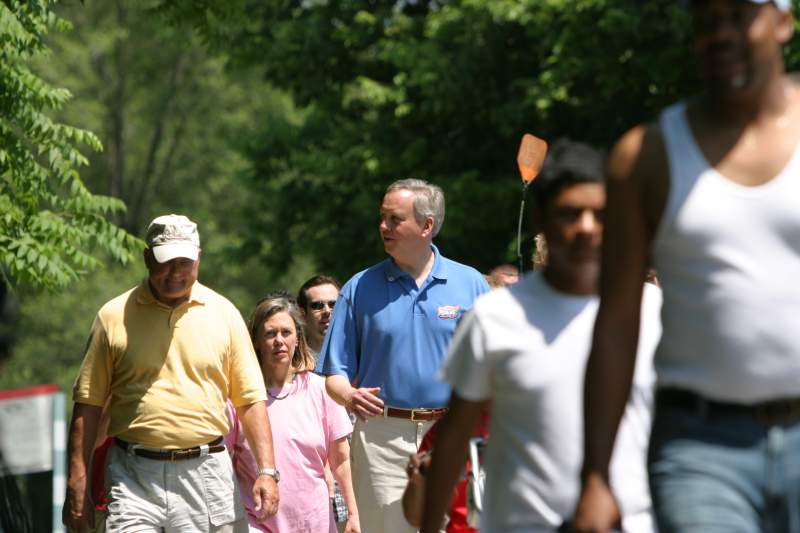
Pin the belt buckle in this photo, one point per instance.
(421, 412)
(178, 455)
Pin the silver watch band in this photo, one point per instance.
(271, 472)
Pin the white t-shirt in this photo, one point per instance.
(525, 347)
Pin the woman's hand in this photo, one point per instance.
(353, 524)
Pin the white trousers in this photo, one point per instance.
(381, 448)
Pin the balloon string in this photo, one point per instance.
(519, 228)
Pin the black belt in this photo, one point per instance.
(772, 412)
(215, 446)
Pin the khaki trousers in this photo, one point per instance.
(381, 448)
(191, 496)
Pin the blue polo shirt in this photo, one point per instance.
(385, 332)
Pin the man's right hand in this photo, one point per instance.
(78, 514)
(597, 510)
(364, 402)
(266, 497)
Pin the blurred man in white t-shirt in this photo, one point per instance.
(524, 349)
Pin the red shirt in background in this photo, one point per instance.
(458, 507)
(98, 488)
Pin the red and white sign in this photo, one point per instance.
(26, 428)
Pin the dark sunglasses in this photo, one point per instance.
(317, 305)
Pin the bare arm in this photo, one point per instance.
(450, 451)
(609, 374)
(339, 458)
(258, 431)
(414, 495)
(363, 401)
(329, 479)
(78, 513)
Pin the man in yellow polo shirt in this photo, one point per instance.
(168, 355)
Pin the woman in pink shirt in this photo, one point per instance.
(308, 428)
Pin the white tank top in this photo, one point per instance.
(728, 257)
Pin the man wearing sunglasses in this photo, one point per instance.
(316, 299)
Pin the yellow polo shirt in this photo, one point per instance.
(169, 371)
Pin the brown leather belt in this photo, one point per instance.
(415, 415)
(215, 446)
(772, 412)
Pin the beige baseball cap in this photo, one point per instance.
(172, 236)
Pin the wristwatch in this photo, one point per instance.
(271, 472)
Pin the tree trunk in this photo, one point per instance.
(116, 108)
(166, 109)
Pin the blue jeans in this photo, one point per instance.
(724, 474)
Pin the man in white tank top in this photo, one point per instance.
(524, 349)
(710, 195)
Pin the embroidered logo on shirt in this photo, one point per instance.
(449, 311)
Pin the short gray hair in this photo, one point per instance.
(428, 200)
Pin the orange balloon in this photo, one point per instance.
(530, 158)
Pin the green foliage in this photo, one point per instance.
(49, 220)
(176, 123)
(437, 90)
(441, 90)
(277, 124)
(158, 101)
(53, 329)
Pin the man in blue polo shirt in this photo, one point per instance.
(389, 333)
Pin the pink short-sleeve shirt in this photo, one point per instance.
(304, 425)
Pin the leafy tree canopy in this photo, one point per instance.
(441, 90)
(175, 123)
(50, 223)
